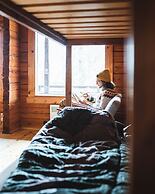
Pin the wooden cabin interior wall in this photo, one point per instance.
(9, 83)
(14, 77)
(25, 113)
(1, 71)
(119, 77)
(35, 113)
(32, 114)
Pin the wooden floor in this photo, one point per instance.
(12, 145)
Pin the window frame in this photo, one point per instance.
(32, 98)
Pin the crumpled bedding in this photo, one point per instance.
(56, 162)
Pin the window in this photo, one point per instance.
(47, 81)
(50, 66)
(87, 61)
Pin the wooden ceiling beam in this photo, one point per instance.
(95, 41)
(78, 37)
(84, 6)
(79, 10)
(23, 17)
(96, 32)
(78, 14)
(99, 17)
(33, 3)
(80, 29)
(41, 2)
(98, 26)
(101, 24)
(87, 19)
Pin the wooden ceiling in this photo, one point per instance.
(82, 19)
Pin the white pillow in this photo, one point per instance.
(113, 105)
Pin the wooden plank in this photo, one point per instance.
(109, 61)
(77, 6)
(95, 41)
(33, 116)
(14, 43)
(14, 35)
(118, 54)
(32, 124)
(44, 99)
(6, 39)
(118, 80)
(96, 32)
(14, 60)
(89, 28)
(85, 19)
(36, 105)
(118, 47)
(37, 110)
(29, 20)
(143, 60)
(24, 34)
(24, 47)
(23, 58)
(91, 24)
(14, 78)
(31, 63)
(14, 51)
(77, 14)
(41, 2)
(97, 36)
(1, 67)
(118, 68)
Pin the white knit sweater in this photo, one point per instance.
(104, 98)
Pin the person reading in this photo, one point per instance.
(108, 99)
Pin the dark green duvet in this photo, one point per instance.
(57, 161)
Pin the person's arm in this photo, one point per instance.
(113, 105)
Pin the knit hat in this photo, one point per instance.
(105, 76)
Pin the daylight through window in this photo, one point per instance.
(50, 66)
(87, 61)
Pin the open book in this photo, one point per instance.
(78, 101)
(76, 98)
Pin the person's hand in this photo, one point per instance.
(85, 95)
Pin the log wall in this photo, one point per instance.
(14, 77)
(9, 76)
(25, 113)
(32, 114)
(119, 77)
(1, 69)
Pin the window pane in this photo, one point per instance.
(87, 61)
(57, 69)
(50, 66)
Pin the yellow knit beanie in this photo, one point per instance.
(104, 75)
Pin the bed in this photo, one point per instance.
(79, 151)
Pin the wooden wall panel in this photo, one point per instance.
(32, 114)
(143, 166)
(1, 71)
(119, 76)
(5, 73)
(14, 77)
(9, 71)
